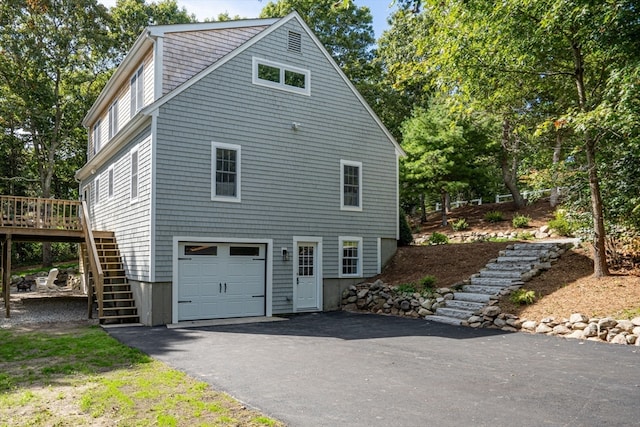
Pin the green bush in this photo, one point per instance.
(408, 288)
(438, 239)
(493, 216)
(561, 224)
(406, 238)
(520, 221)
(427, 281)
(522, 297)
(460, 224)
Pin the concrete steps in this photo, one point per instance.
(515, 265)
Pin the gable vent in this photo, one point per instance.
(295, 42)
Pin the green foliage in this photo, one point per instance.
(428, 281)
(522, 297)
(460, 224)
(438, 239)
(493, 216)
(345, 30)
(408, 288)
(561, 224)
(520, 221)
(525, 235)
(405, 231)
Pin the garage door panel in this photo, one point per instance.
(225, 281)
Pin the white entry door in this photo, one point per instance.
(307, 278)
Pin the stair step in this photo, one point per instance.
(471, 297)
(120, 316)
(108, 309)
(511, 266)
(519, 259)
(511, 274)
(454, 312)
(444, 319)
(465, 305)
(527, 246)
(525, 252)
(487, 290)
(117, 300)
(493, 281)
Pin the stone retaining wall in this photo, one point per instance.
(381, 298)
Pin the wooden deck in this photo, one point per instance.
(47, 220)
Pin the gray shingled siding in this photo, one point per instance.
(290, 179)
(129, 221)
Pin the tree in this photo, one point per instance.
(131, 17)
(444, 155)
(515, 53)
(50, 54)
(345, 30)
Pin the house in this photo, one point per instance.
(241, 172)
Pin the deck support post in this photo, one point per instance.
(6, 275)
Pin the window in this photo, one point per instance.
(97, 145)
(134, 175)
(96, 190)
(225, 173)
(201, 250)
(351, 185)
(113, 119)
(280, 76)
(110, 182)
(350, 256)
(137, 91)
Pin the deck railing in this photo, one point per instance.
(34, 212)
(94, 263)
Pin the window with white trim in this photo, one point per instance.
(350, 256)
(137, 91)
(110, 183)
(281, 76)
(225, 172)
(113, 119)
(96, 190)
(134, 175)
(97, 143)
(350, 185)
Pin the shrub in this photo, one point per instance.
(409, 288)
(405, 231)
(427, 281)
(522, 297)
(525, 235)
(520, 221)
(438, 239)
(493, 216)
(460, 224)
(561, 224)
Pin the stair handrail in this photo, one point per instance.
(94, 259)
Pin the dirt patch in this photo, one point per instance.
(568, 287)
(450, 264)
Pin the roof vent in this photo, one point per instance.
(295, 42)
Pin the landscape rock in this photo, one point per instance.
(578, 318)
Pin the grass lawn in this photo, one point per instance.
(81, 376)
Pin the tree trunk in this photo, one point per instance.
(444, 200)
(423, 209)
(510, 171)
(557, 150)
(600, 267)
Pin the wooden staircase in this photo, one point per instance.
(115, 302)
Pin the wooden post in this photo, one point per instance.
(6, 279)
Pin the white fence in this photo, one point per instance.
(500, 198)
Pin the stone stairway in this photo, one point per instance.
(514, 266)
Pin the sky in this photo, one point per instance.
(380, 9)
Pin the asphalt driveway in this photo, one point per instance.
(342, 369)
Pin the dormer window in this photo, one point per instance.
(137, 91)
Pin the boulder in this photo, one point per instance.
(578, 318)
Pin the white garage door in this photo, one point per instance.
(220, 280)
